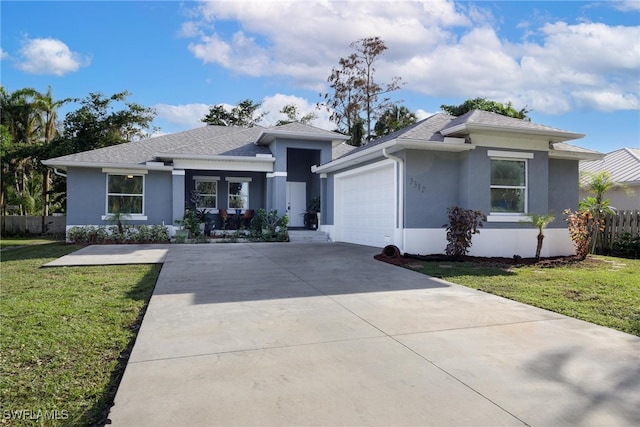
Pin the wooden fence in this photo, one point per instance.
(615, 226)
(25, 225)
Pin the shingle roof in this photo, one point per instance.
(563, 146)
(436, 127)
(207, 140)
(497, 120)
(301, 128)
(622, 164)
(298, 130)
(427, 130)
(238, 142)
(139, 152)
(342, 149)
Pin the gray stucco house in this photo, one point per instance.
(393, 190)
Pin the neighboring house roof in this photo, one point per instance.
(201, 143)
(623, 165)
(445, 132)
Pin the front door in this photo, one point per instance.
(296, 203)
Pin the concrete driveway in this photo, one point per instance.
(322, 334)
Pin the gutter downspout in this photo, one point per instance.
(399, 208)
(57, 172)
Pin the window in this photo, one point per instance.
(125, 194)
(238, 194)
(508, 186)
(207, 189)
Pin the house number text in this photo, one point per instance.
(417, 185)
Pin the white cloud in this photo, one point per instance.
(304, 40)
(188, 115)
(625, 5)
(439, 48)
(241, 53)
(3, 54)
(49, 56)
(273, 104)
(421, 114)
(607, 100)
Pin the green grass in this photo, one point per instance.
(63, 332)
(23, 241)
(601, 290)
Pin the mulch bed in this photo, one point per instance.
(392, 255)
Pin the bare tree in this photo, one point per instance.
(355, 91)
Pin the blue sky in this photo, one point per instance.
(576, 65)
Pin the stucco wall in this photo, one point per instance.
(299, 164)
(157, 198)
(431, 186)
(304, 154)
(279, 149)
(479, 180)
(563, 189)
(86, 197)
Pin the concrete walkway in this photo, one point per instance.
(113, 255)
(322, 334)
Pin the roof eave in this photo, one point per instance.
(353, 159)
(416, 144)
(574, 155)
(254, 159)
(268, 136)
(392, 145)
(66, 164)
(553, 136)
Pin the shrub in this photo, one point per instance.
(627, 246)
(463, 224)
(580, 223)
(159, 233)
(269, 226)
(191, 221)
(139, 234)
(77, 234)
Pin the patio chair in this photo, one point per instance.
(224, 216)
(245, 220)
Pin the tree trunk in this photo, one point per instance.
(539, 247)
(46, 175)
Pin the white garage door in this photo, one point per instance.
(364, 205)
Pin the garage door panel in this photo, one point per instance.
(365, 206)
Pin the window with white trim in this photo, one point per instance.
(125, 194)
(508, 186)
(238, 194)
(207, 189)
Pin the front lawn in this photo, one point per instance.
(601, 290)
(65, 335)
(12, 242)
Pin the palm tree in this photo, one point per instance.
(597, 184)
(29, 119)
(21, 120)
(541, 221)
(47, 108)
